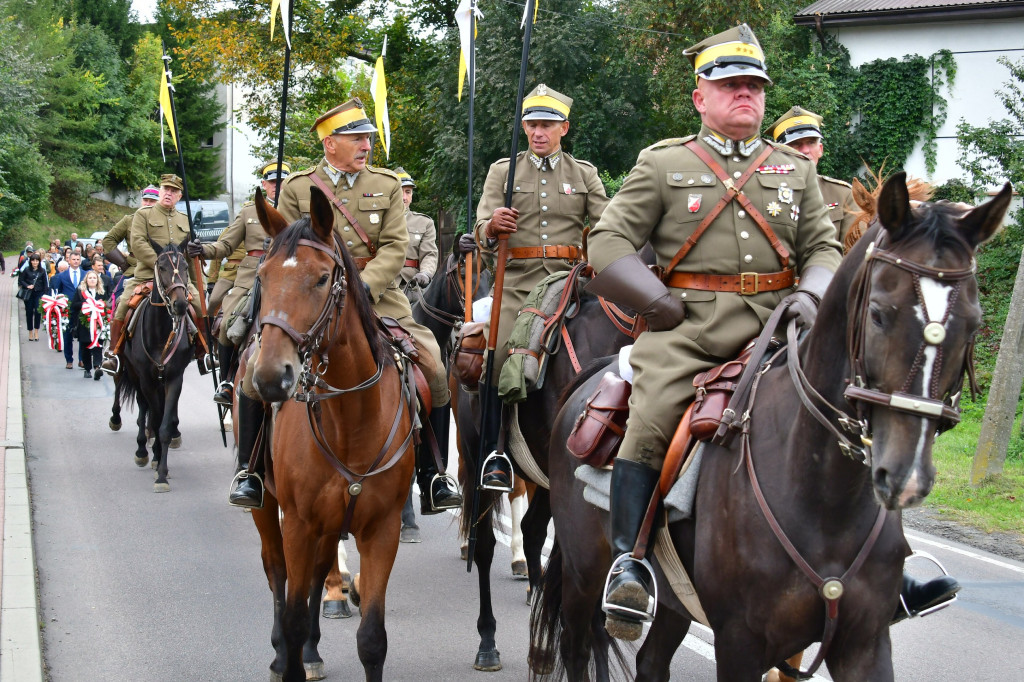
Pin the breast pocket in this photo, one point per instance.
(779, 200)
(692, 194)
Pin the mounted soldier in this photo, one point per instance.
(421, 254)
(126, 262)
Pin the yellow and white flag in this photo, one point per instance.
(284, 19)
(526, 10)
(467, 8)
(379, 91)
(165, 104)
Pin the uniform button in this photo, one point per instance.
(543, 208)
(543, 236)
(344, 201)
(345, 228)
(741, 214)
(543, 195)
(543, 223)
(543, 182)
(737, 174)
(517, 188)
(677, 176)
(748, 258)
(735, 159)
(350, 244)
(682, 295)
(690, 181)
(744, 235)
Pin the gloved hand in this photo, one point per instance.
(366, 288)
(421, 279)
(502, 221)
(194, 248)
(467, 244)
(629, 282)
(664, 312)
(209, 288)
(803, 303)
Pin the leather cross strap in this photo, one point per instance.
(362, 261)
(345, 212)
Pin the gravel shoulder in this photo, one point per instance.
(930, 520)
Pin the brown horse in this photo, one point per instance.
(881, 371)
(339, 448)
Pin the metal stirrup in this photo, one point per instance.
(452, 485)
(239, 477)
(623, 612)
(495, 455)
(931, 609)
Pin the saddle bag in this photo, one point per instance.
(714, 391)
(599, 429)
(468, 356)
(239, 320)
(400, 338)
(141, 291)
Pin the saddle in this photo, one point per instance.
(399, 338)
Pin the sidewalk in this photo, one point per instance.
(20, 650)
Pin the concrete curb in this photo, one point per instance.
(21, 649)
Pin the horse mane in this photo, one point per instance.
(867, 201)
(288, 241)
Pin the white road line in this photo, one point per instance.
(963, 552)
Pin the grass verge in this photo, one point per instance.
(100, 215)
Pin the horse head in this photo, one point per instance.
(913, 312)
(170, 277)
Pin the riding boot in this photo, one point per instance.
(225, 391)
(627, 600)
(917, 596)
(497, 469)
(437, 492)
(111, 362)
(247, 488)
(205, 360)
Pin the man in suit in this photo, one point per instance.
(100, 268)
(67, 283)
(73, 242)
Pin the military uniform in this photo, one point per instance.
(421, 254)
(838, 197)
(242, 244)
(118, 233)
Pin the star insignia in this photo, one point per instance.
(773, 208)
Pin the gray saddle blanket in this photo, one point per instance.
(678, 502)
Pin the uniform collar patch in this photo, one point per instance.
(547, 162)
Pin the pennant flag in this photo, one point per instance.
(379, 91)
(165, 105)
(274, 4)
(526, 8)
(467, 8)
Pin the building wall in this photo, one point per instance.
(237, 163)
(976, 46)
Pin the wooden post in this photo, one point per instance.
(1003, 396)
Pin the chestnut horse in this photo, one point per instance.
(341, 448)
(836, 442)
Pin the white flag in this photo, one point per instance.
(284, 19)
(462, 17)
(379, 91)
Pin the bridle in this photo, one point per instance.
(453, 282)
(179, 271)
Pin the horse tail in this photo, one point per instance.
(125, 391)
(546, 622)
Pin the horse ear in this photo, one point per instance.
(272, 221)
(181, 246)
(894, 205)
(156, 247)
(862, 196)
(321, 214)
(979, 224)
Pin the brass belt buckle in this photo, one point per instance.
(745, 286)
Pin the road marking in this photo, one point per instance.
(964, 552)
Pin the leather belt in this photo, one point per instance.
(362, 261)
(745, 283)
(559, 251)
(411, 263)
(257, 253)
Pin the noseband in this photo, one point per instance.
(178, 265)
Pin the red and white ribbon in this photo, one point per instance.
(54, 306)
(94, 310)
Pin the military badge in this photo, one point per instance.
(773, 208)
(778, 169)
(567, 188)
(706, 179)
(794, 213)
(831, 206)
(693, 203)
(374, 218)
(785, 193)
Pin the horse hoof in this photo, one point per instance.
(175, 443)
(353, 592)
(161, 487)
(519, 570)
(541, 665)
(276, 677)
(488, 661)
(314, 671)
(114, 425)
(336, 608)
(529, 595)
(626, 630)
(142, 461)
(154, 464)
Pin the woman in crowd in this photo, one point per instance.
(91, 290)
(33, 280)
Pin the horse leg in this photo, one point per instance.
(735, 657)
(115, 410)
(518, 503)
(666, 634)
(168, 427)
(535, 534)
(377, 547)
(487, 657)
(326, 559)
(338, 582)
(582, 618)
(141, 455)
(269, 526)
(299, 548)
(863, 658)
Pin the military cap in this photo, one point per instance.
(404, 176)
(172, 180)
(268, 171)
(345, 119)
(151, 192)
(795, 124)
(728, 54)
(545, 104)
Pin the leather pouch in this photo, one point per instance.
(599, 429)
(714, 391)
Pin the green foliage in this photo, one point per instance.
(114, 17)
(995, 153)
(955, 190)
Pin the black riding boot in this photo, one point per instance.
(917, 595)
(246, 488)
(630, 583)
(436, 492)
(497, 471)
(225, 391)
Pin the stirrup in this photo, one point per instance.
(931, 609)
(622, 612)
(224, 387)
(238, 478)
(494, 456)
(117, 369)
(207, 363)
(452, 485)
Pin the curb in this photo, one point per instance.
(20, 649)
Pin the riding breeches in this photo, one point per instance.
(429, 361)
(129, 288)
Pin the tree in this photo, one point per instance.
(115, 18)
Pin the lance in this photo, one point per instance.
(284, 101)
(499, 278)
(197, 262)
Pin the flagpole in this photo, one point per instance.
(472, 99)
(284, 102)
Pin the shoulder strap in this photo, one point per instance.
(345, 212)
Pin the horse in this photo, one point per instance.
(156, 356)
(832, 487)
(341, 456)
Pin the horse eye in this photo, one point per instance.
(323, 280)
(877, 319)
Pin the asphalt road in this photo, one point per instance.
(142, 586)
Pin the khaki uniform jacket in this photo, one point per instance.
(554, 206)
(244, 234)
(118, 233)
(162, 226)
(422, 247)
(375, 201)
(838, 197)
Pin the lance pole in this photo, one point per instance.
(284, 102)
(499, 281)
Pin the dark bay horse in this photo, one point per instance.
(341, 448)
(883, 367)
(156, 356)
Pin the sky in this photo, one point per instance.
(145, 9)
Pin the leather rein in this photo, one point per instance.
(453, 282)
(178, 264)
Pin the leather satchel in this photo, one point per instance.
(599, 429)
(468, 357)
(714, 391)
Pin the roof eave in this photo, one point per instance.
(913, 16)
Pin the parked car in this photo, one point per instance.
(213, 217)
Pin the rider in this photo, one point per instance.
(245, 233)
(801, 130)
(553, 195)
(159, 225)
(421, 255)
(369, 218)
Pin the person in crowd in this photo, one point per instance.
(33, 279)
(421, 254)
(73, 242)
(99, 267)
(67, 283)
(90, 291)
(3, 263)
